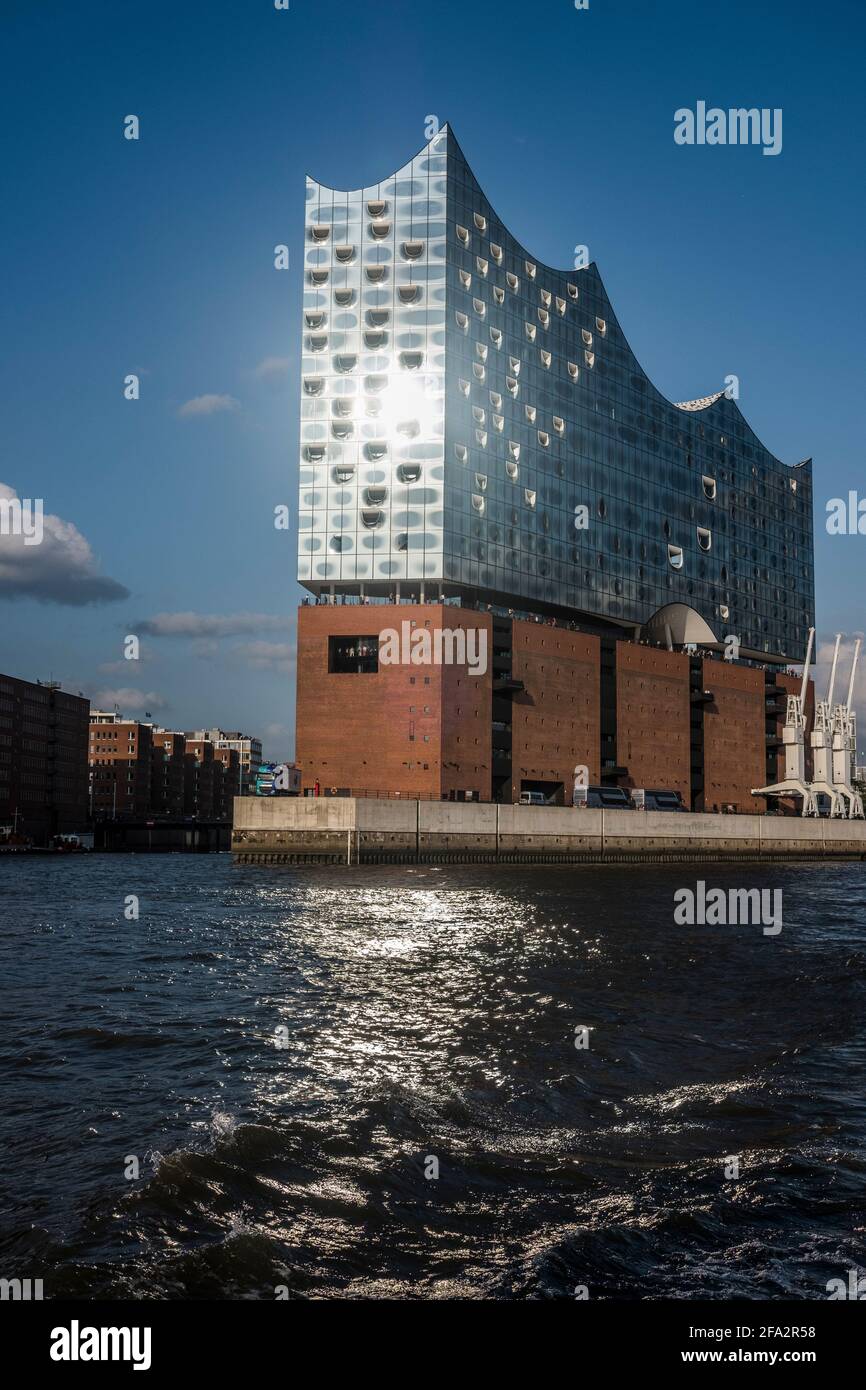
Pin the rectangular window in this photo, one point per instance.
(353, 655)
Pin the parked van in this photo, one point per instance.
(656, 799)
(603, 798)
(533, 799)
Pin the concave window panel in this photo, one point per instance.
(709, 485)
(530, 331)
(590, 358)
(573, 371)
(559, 424)
(529, 497)
(675, 557)
(466, 279)
(724, 611)
(496, 337)
(495, 400)
(463, 386)
(344, 297)
(318, 342)
(320, 231)
(496, 252)
(560, 305)
(511, 280)
(586, 336)
(375, 273)
(481, 482)
(314, 318)
(531, 413)
(705, 538)
(480, 307)
(512, 385)
(401, 541)
(546, 298)
(345, 362)
(343, 472)
(601, 325)
(377, 318)
(572, 291)
(375, 383)
(478, 503)
(409, 294)
(319, 277)
(461, 452)
(409, 472)
(314, 385)
(314, 453)
(342, 429)
(514, 365)
(513, 450)
(376, 449)
(372, 518)
(543, 438)
(375, 338)
(409, 429)
(498, 423)
(375, 495)
(480, 222)
(479, 371)
(481, 265)
(462, 320)
(478, 414)
(345, 253)
(376, 207)
(412, 250)
(513, 471)
(530, 269)
(379, 230)
(546, 357)
(411, 360)
(498, 294)
(462, 234)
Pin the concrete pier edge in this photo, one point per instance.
(349, 831)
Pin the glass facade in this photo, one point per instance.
(474, 418)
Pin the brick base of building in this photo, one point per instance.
(378, 715)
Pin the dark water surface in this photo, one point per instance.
(429, 1013)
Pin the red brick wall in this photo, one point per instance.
(653, 717)
(735, 750)
(383, 732)
(556, 719)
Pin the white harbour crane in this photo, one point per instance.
(844, 747)
(794, 741)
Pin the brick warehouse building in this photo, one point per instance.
(480, 448)
(43, 759)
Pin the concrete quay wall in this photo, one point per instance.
(345, 830)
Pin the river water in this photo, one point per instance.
(365, 1082)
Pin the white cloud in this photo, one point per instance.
(272, 366)
(271, 656)
(212, 625)
(208, 405)
(128, 700)
(62, 569)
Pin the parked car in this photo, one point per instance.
(533, 799)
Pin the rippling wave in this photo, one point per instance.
(292, 1056)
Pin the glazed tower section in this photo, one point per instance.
(373, 372)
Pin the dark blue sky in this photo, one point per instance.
(156, 257)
